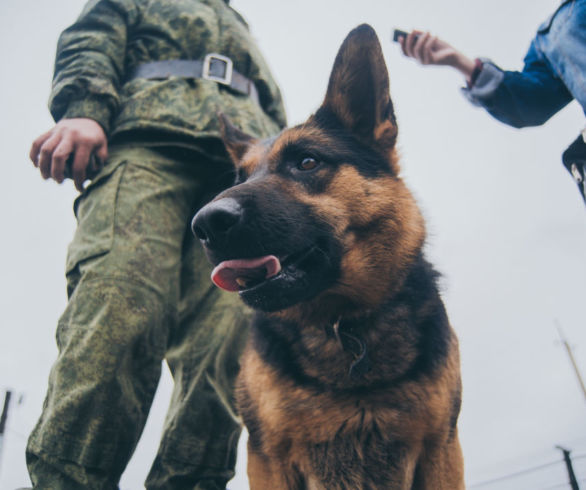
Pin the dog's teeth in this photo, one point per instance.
(241, 282)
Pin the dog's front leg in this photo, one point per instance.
(265, 473)
(440, 467)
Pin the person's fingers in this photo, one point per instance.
(418, 52)
(102, 153)
(80, 163)
(427, 50)
(79, 166)
(46, 154)
(403, 44)
(60, 156)
(97, 160)
(410, 42)
(36, 147)
(71, 140)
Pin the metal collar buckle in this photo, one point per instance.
(209, 74)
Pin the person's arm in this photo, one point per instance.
(89, 69)
(431, 50)
(519, 99)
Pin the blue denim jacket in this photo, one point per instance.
(554, 73)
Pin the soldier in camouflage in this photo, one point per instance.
(138, 283)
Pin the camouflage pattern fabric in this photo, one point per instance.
(96, 54)
(138, 284)
(139, 292)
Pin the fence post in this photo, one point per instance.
(3, 419)
(571, 474)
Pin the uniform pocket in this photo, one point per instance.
(95, 211)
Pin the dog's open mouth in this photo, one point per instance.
(239, 274)
(243, 274)
(275, 282)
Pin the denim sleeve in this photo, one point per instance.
(519, 99)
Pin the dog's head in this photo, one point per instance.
(319, 210)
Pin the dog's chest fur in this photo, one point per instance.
(336, 404)
(340, 440)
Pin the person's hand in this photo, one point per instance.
(430, 50)
(81, 139)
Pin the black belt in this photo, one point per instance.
(214, 67)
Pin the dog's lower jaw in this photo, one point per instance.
(323, 310)
(293, 285)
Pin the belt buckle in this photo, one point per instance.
(226, 79)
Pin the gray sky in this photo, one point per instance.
(507, 227)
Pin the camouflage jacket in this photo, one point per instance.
(111, 37)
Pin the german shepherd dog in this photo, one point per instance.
(350, 379)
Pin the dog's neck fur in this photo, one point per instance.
(352, 348)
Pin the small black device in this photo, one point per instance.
(399, 33)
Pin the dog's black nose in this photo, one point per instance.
(213, 222)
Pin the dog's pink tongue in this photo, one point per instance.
(233, 275)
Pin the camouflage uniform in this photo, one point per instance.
(138, 283)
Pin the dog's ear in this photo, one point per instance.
(358, 90)
(236, 142)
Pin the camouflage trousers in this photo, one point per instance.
(140, 293)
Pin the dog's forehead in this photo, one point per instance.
(254, 156)
(303, 136)
(266, 154)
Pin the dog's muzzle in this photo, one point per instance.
(214, 222)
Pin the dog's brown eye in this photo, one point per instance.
(307, 164)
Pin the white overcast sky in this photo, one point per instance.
(507, 227)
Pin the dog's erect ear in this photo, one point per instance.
(237, 142)
(358, 90)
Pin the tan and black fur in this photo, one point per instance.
(351, 378)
